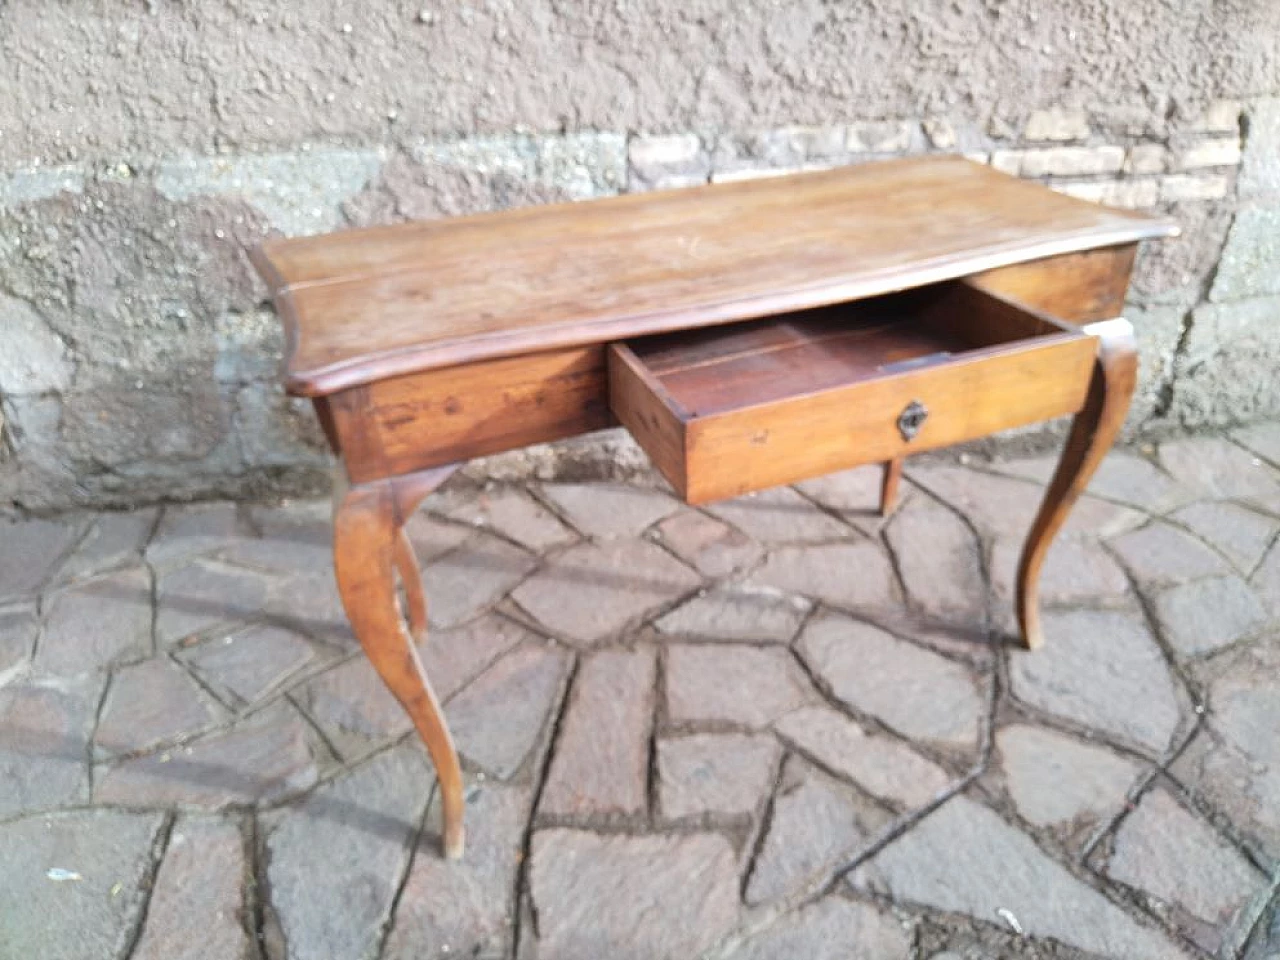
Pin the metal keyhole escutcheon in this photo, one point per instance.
(911, 419)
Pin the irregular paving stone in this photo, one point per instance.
(779, 515)
(1160, 554)
(308, 601)
(882, 766)
(1075, 571)
(32, 548)
(201, 595)
(1262, 438)
(464, 907)
(510, 512)
(1235, 759)
(610, 510)
(725, 774)
(963, 858)
(464, 582)
(1208, 614)
(114, 540)
(191, 530)
(737, 612)
(1266, 580)
(1094, 667)
(249, 663)
(601, 762)
(854, 494)
(1166, 852)
(851, 575)
(710, 546)
(18, 628)
(77, 919)
(940, 562)
(196, 907)
(499, 717)
(601, 896)
(260, 760)
(352, 697)
(1217, 468)
(593, 590)
(1055, 779)
(826, 930)
(44, 740)
(97, 623)
(1122, 477)
(336, 859)
(150, 702)
(1004, 507)
(732, 683)
(918, 693)
(1242, 534)
(817, 824)
(432, 538)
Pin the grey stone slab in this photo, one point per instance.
(464, 908)
(467, 581)
(1122, 476)
(817, 824)
(1266, 580)
(45, 726)
(939, 560)
(1246, 267)
(601, 760)
(308, 601)
(779, 515)
(1262, 438)
(854, 494)
(1094, 667)
(497, 720)
(1076, 571)
(826, 930)
(592, 591)
(715, 774)
(509, 511)
(1160, 554)
(610, 510)
(115, 539)
(916, 692)
(737, 612)
(148, 703)
(197, 907)
(599, 896)
(1216, 468)
(1242, 534)
(195, 598)
(1056, 779)
(194, 530)
(1197, 618)
(964, 859)
(18, 627)
(1223, 374)
(1259, 171)
(105, 858)
(336, 859)
(732, 683)
(247, 664)
(848, 575)
(710, 546)
(263, 759)
(351, 698)
(882, 766)
(32, 550)
(1168, 853)
(97, 623)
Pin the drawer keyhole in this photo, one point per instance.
(911, 419)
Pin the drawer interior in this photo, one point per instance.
(710, 371)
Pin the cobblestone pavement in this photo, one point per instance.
(774, 728)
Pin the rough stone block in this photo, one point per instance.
(1199, 154)
(39, 183)
(34, 359)
(884, 136)
(582, 165)
(1250, 263)
(655, 159)
(1220, 116)
(1260, 170)
(1071, 161)
(1130, 194)
(1057, 123)
(1183, 186)
(1225, 373)
(1146, 158)
(726, 775)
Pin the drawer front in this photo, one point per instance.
(900, 411)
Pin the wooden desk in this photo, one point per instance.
(748, 335)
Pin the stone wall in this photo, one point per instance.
(144, 146)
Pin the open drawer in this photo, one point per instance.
(728, 410)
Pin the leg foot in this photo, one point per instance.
(366, 546)
(1092, 432)
(889, 485)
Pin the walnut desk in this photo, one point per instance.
(748, 334)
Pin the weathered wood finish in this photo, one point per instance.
(1076, 287)
(370, 304)
(753, 417)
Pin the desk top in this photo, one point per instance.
(362, 305)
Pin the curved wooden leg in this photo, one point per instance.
(889, 485)
(366, 538)
(1095, 427)
(411, 580)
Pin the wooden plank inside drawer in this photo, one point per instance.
(724, 412)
